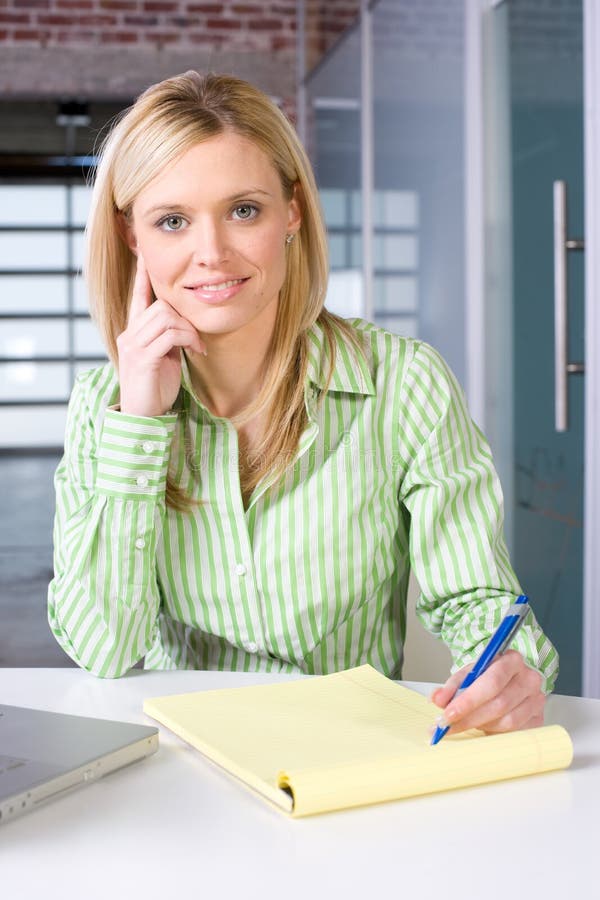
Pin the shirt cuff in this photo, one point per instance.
(133, 455)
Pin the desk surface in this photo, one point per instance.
(175, 826)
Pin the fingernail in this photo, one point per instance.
(450, 715)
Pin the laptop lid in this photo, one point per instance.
(43, 754)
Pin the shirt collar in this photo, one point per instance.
(186, 379)
(351, 373)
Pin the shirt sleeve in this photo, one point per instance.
(110, 499)
(453, 495)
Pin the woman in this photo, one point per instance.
(248, 482)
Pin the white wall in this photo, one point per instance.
(425, 658)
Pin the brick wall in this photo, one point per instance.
(264, 26)
(112, 49)
(325, 22)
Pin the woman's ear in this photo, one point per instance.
(125, 229)
(295, 210)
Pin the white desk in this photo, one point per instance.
(173, 826)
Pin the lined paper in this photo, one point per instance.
(347, 739)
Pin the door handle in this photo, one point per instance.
(562, 367)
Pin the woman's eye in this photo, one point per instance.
(246, 211)
(172, 223)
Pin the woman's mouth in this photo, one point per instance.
(215, 291)
(220, 286)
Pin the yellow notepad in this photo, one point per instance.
(348, 739)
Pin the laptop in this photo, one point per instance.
(43, 754)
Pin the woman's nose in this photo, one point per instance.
(209, 244)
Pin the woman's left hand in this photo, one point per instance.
(508, 696)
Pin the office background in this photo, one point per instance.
(436, 128)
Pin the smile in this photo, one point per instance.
(215, 292)
(221, 286)
(216, 285)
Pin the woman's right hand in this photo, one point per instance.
(149, 351)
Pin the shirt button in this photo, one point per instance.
(148, 447)
(141, 480)
(140, 543)
(252, 647)
(240, 569)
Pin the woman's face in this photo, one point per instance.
(212, 230)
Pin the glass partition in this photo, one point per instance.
(46, 335)
(545, 61)
(333, 95)
(418, 125)
(418, 247)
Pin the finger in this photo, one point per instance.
(158, 310)
(441, 696)
(153, 330)
(156, 319)
(154, 323)
(141, 297)
(175, 337)
(499, 707)
(525, 685)
(527, 714)
(486, 687)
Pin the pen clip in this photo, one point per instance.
(519, 610)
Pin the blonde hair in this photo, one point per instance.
(167, 120)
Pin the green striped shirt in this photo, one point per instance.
(390, 473)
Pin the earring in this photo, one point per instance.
(289, 238)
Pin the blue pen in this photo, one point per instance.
(497, 644)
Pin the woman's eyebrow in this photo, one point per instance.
(166, 208)
(183, 207)
(241, 195)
